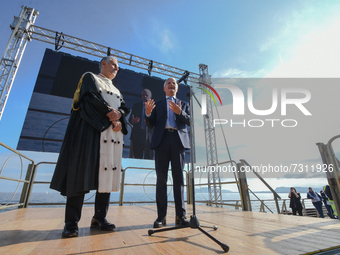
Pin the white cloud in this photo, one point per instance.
(316, 54)
(155, 35)
(234, 72)
(168, 41)
(268, 44)
(308, 46)
(162, 37)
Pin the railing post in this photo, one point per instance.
(332, 171)
(244, 193)
(262, 207)
(276, 196)
(24, 191)
(27, 187)
(236, 207)
(284, 207)
(304, 212)
(188, 187)
(122, 185)
(277, 204)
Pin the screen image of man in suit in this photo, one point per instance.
(169, 119)
(140, 134)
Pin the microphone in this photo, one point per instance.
(184, 77)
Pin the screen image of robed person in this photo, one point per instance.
(169, 119)
(91, 153)
(141, 133)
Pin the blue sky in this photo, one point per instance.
(296, 39)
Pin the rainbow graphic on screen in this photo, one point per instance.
(204, 98)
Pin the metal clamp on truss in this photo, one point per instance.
(59, 41)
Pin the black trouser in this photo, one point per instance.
(170, 150)
(297, 210)
(74, 206)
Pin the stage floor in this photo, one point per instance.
(38, 231)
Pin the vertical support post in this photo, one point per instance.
(328, 158)
(262, 206)
(284, 207)
(14, 51)
(192, 152)
(122, 185)
(244, 192)
(304, 212)
(188, 176)
(25, 187)
(28, 187)
(214, 186)
(277, 203)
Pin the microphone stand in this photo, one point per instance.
(194, 222)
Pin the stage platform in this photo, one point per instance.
(38, 231)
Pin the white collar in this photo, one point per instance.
(103, 76)
(174, 97)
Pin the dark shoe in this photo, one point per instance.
(70, 230)
(159, 222)
(181, 221)
(102, 224)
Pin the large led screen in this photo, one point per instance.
(50, 106)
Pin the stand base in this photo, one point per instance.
(194, 223)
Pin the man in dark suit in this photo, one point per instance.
(140, 134)
(169, 119)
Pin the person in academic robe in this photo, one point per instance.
(90, 156)
(140, 133)
(169, 119)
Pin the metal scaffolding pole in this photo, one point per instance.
(214, 188)
(66, 41)
(11, 58)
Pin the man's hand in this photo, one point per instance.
(117, 125)
(176, 108)
(149, 105)
(114, 115)
(134, 119)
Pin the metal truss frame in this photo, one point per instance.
(214, 186)
(14, 51)
(94, 49)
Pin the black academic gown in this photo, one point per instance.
(76, 171)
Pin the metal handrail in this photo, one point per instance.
(32, 170)
(335, 167)
(276, 196)
(27, 190)
(261, 200)
(16, 152)
(24, 194)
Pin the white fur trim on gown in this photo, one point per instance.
(111, 143)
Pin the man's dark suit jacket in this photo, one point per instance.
(157, 120)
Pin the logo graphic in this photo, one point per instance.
(204, 97)
(280, 100)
